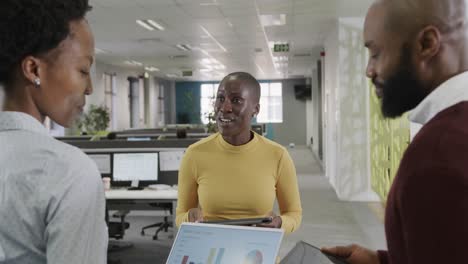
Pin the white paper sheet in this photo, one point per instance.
(170, 160)
(102, 161)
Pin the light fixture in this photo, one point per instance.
(134, 63)
(207, 61)
(100, 51)
(205, 70)
(151, 69)
(149, 24)
(214, 3)
(280, 58)
(144, 24)
(171, 75)
(273, 20)
(155, 24)
(184, 47)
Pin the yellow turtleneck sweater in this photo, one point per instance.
(231, 182)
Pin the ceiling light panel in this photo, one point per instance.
(273, 20)
(150, 24)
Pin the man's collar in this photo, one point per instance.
(449, 93)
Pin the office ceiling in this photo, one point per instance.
(223, 35)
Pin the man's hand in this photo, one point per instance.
(195, 215)
(354, 254)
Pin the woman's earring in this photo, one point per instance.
(37, 82)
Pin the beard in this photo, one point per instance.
(402, 91)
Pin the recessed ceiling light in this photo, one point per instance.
(207, 61)
(273, 20)
(155, 24)
(220, 67)
(151, 69)
(209, 4)
(100, 51)
(214, 3)
(134, 63)
(144, 25)
(280, 58)
(149, 24)
(184, 47)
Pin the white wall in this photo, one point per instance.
(330, 115)
(347, 112)
(293, 128)
(312, 115)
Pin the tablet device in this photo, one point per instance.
(225, 244)
(305, 253)
(241, 222)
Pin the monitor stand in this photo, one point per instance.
(134, 186)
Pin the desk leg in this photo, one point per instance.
(174, 207)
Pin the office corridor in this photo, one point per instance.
(326, 220)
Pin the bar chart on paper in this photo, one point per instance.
(211, 245)
(215, 257)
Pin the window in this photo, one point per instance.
(271, 103)
(208, 95)
(110, 99)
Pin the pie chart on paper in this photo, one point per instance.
(254, 257)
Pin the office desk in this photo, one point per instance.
(123, 199)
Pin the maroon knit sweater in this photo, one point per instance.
(427, 209)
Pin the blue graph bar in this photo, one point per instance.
(220, 256)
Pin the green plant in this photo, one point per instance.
(96, 119)
(211, 126)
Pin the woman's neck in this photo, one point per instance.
(20, 101)
(239, 140)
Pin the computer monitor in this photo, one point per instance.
(142, 167)
(103, 162)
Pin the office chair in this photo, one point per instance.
(164, 225)
(117, 231)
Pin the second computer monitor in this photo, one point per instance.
(131, 167)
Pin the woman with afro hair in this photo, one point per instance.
(51, 196)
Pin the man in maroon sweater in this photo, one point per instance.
(419, 60)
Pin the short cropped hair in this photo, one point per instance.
(248, 79)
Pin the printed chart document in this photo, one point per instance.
(103, 162)
(170, 160)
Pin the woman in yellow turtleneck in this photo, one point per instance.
(237, 173)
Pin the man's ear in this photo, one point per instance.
(30, 69)
(428, 43)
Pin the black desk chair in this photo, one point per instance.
(116, 231)
(164, 225)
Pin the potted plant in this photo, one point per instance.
(95, 121)
(211, 127)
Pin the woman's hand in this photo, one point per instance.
(195, 215)
(276, 221)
